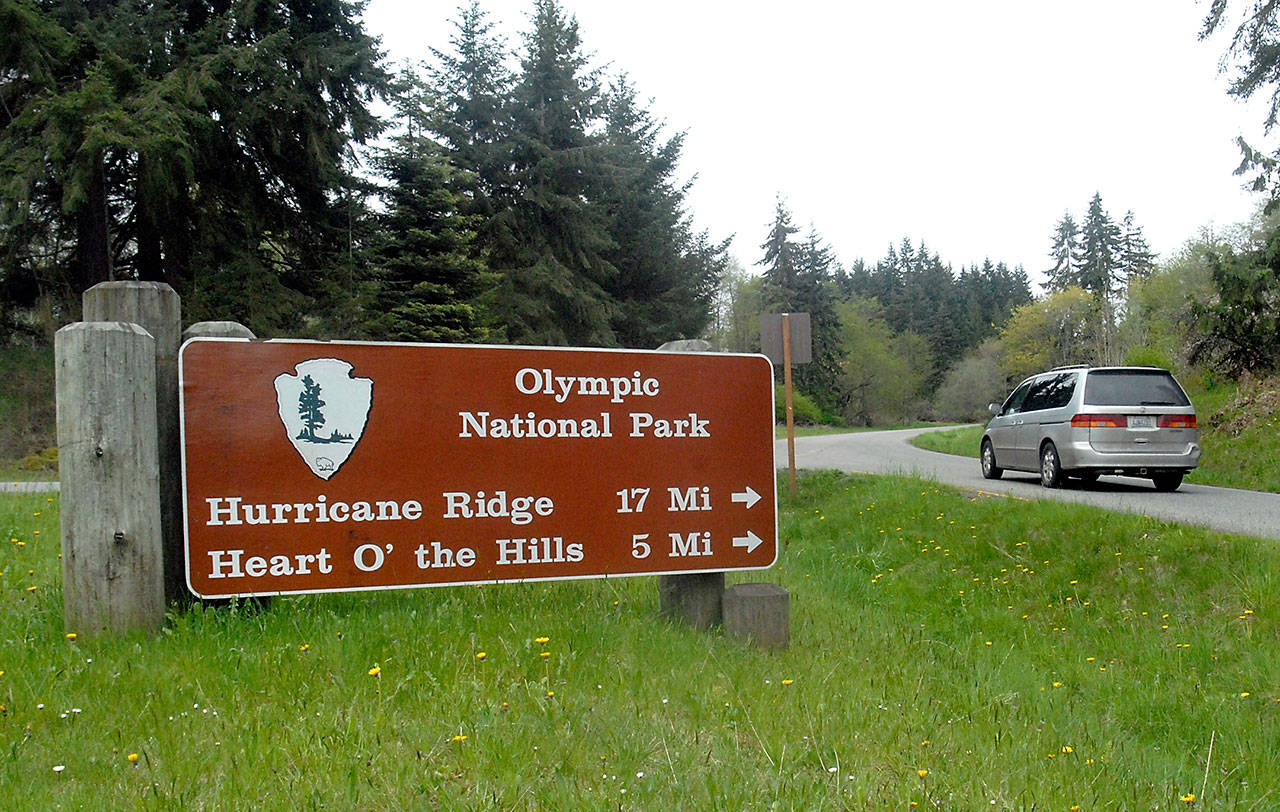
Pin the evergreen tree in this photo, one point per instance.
(471, 88)
(798, 279)
(549, 243)
(1099, 253)
(666, 274)
(781, 263)
(1064, 253)
(1254, 53)
(1136, 258)
(202, 144)
(429, 278)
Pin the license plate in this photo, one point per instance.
(1142, 421)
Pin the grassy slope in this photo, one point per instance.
(1033, 655)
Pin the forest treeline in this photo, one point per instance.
(265, 160)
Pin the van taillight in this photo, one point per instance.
(1177, 421)
(1099, 421)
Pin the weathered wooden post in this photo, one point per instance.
(217, 329)
(760, 613)
(112, 550)
(156, 308)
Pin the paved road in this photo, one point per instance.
(48, 487)
(890, 452)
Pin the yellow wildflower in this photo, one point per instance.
(375, 671)
(922, 773)
(133, 758)
(480, 655)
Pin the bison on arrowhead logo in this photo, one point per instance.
(324, 410)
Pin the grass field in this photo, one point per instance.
(948, 650)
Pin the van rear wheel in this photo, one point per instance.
(1167, 483)
(1050, 466)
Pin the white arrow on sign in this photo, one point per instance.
(751, 541)
(749, 497)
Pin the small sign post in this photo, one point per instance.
(318, 467)
(787, 339)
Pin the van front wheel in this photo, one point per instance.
(988, 457)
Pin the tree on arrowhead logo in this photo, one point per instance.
(324, 410)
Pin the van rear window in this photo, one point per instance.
(1133, 387)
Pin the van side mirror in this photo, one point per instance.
(994, 408)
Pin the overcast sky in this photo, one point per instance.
(970, 125)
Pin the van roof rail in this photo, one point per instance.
(1070, 366)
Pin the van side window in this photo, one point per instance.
(1060, 391)
(1036, 397)
(1014, 404)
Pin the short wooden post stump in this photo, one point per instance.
(760, 613)
(693, 598)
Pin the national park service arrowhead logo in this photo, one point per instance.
(324, 410)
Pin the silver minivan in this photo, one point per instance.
(1082, 422)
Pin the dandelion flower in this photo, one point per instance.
(459, 738)
(544, 655)
(1057, 685)
(922, 772)
(788, 681)
(1189, 798)
(133, 758)
(480, 655)
(1244, 694)
(551, 694)
(1068, 749)
(71, 636)
(304, 647)
(375, 671)
(542, 641)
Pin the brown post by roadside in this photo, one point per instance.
(791, 409)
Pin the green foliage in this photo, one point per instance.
(972, 384)
(1240, 323)
(737, 308)
(883, 372)
(430, 278)
(1063, 328)
(1091, 662)
(918, 294)
(26, 400)
(804, 411)
(798, 279)
(1253, 59)
(182, 143)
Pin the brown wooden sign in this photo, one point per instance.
(316, 467)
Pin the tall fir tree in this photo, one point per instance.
(1099, 252)
(666, 273)
(205, 145)
(1065, 254)
(1136, 259)
(798, 278)
(430, 279)
(549, 243)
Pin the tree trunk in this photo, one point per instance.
(93, 238)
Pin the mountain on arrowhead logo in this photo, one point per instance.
(324, 410)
